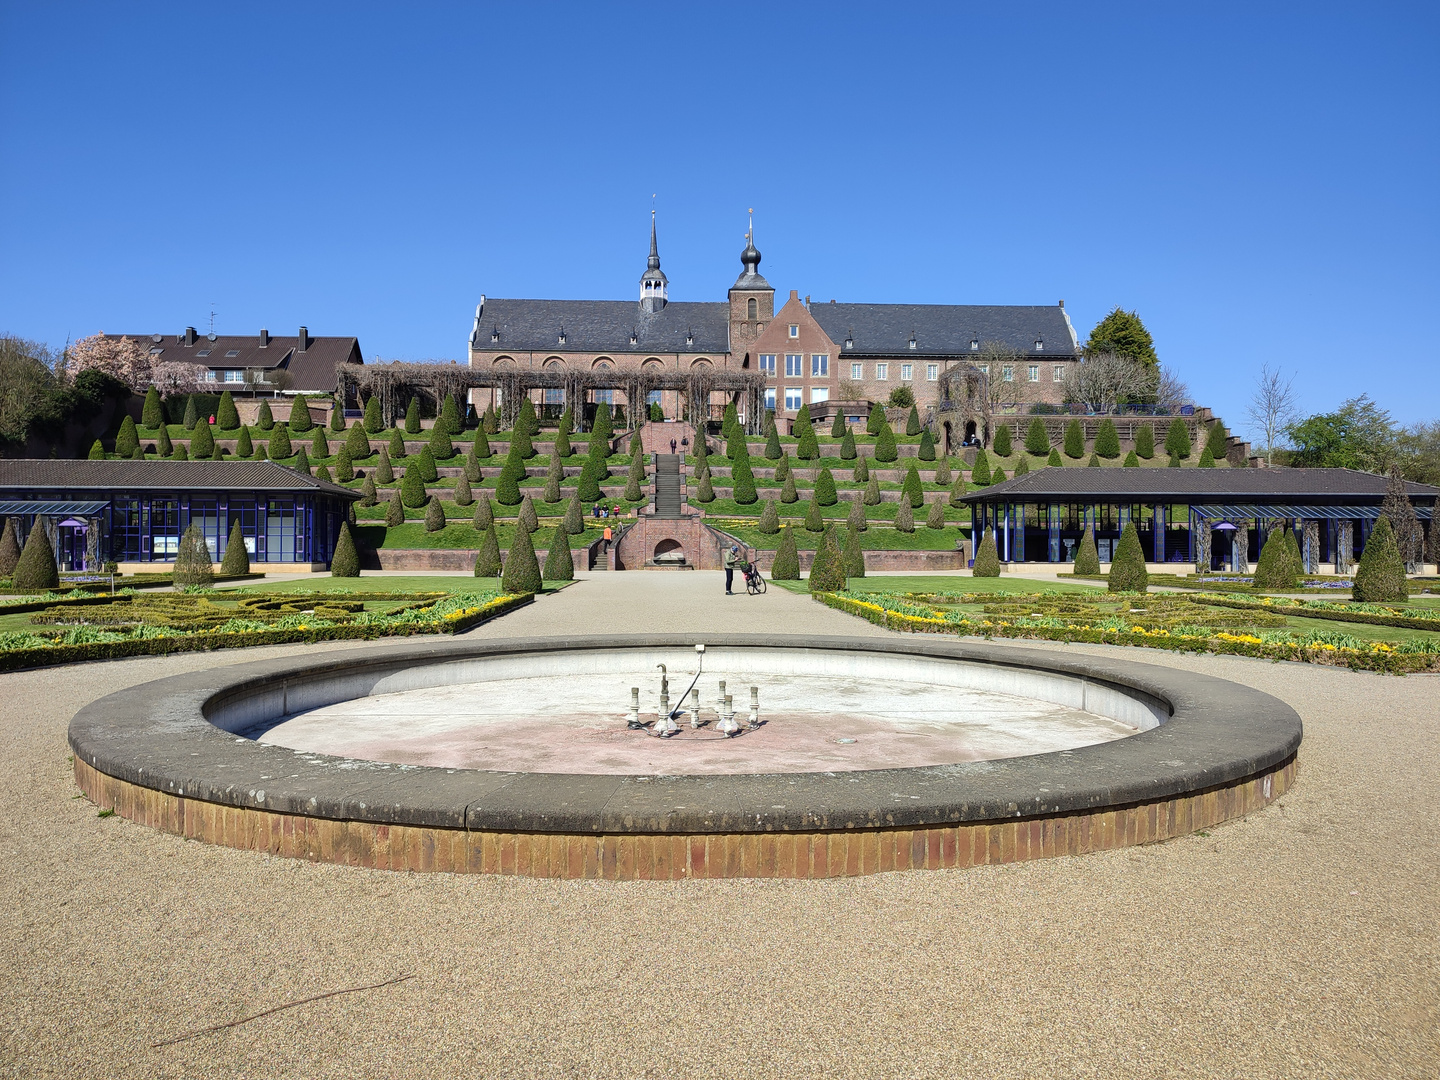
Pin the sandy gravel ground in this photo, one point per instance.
(1299, 942)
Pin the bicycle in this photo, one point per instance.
(754, 582)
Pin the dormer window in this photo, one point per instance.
(689, 338)
(974, 345)
(633, 337)
(1039, 345)
(495, 334)
(849, 339)
(912, 341)
(561, 338)
(794, 330)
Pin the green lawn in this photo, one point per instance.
(934, 583)
(451, 583)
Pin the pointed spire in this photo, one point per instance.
(653, 262)
(653, 284)
(750, 259)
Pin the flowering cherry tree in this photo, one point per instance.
(121, 358)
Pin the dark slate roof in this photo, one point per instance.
(311, 371)
(1192, 485)
(601, 326)
(53, 474)
(944, 329)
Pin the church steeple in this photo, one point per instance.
(653, 283)
(750, 259)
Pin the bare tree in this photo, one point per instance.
(1273, 407)
(995, 359)
(1099, 382)
(1171, 391)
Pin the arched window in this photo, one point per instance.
(752, 309)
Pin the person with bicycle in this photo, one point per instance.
(731, 558)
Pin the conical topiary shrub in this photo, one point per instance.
(1037, 439)
(163, 446)
(772, 442)
(943, 474)
(786, 566)
(704, 492)
(395, 509)
(1177, 439)
(1107, 439)
(788, 494)
(337, 418)
(237, 558)
(1274, 572)
(912, 489)
(1216, 441)
(344, 469)
(345, 562)
(872, 492)
(1131, 461)
(1297, 563)
(487, 559)
(192, 414)
(322, 472)
(782, 468)
(998, 476)
(742, 479)
(1380, 578)
(127, 441)
(1207, 460)
(825, 488)
(264, 418)
(522, 569)
(876, 420)
(980, 471)
(526, 517)
(35, 570)
(357, 442)
(554, 473)
(300, 421)
(396, 445)
(373, 422)
(412, 417)
(180, 453)
(1053, 461)
(904, 517)
(852, 555)
(472, 465)
(927, 446)
(987, 558)
(1022, 466)
(1002, 443)
(587, 488)
(97, 451)
(434, 515)
(1094, 461)
(280, 447)
(368, 495)
(441, 446)
(484, 513)
(912, 422)
(463, 495)
(862, 470)
(1087, 556)
(814, 520)
(1127, 568)
(559, 563)
(1074, 441)
(202, 441)
(152, 415)
(935, 518)
(827, 570)
(769, 519)
(193, 564)
(574, 517)
(9, 549)
(227, 417)
(244, 444)
(412, 489)
(885, 448)
(1145, 441)
(855, 520)
(957, 490)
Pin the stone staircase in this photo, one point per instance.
(667, 486)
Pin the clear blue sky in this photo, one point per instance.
(1258, 182)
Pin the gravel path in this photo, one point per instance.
(1299, 942)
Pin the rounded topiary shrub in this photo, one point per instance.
(35, 570)
(193, 564)
(300, 415)
(1087, 556)
(787, 560)
(1274, 572)
(346, 560)
(522, 569)
(1380, 577)
(412, 489)
(487, 559)
(559, 564)
(827, 571)
(987, 558)
(237, 558)
(1127, 568)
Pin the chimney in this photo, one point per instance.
(189, 336)
(807, 299)
(304, 339)
(794, 294)
(264, 338)
(1062, 303)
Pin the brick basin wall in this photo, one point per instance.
(671, 857)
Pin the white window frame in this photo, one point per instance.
(767, 363)
(1008, 373)
(819, 393)
(770, 398)
(882, 372)
(1034, 373)
(794, 330)
(793, 398)
(794, 365)
(857, 372)
(932, 372)
(233, 376)
(984, 368)
(210, 375)
(1057, 373)
(907, 372)
(820, 365)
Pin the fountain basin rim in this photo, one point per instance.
(157, 735)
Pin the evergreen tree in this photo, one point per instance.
(905, 517)
(35, 570)
(1403, 523)
(192, 414)
(997, 477)
(1174, 461)
(1145, 441)
(434, 515)
(705, 492)
(824, 491)
(980, 471)
(280, 447)
(368, 495)
(872, 491)
(827, 570)
(559, 564)
(1094, 461)
(300, 415)
(574, 518)
(526, 517)
(855, 520)
(507, 488)
(319, 445)
(564, 431)
(9, 549)
(472, 465)
(786, 566)
(987, 557)
(1037, 439)
(345, 562)
(244, 445)
(814, 520)
(412, 417)
(226, 416)
(875, 420)
(463, 495)
(412, 488)
(484, 513)
(180, 453)
(193, 564)
(1022, 466)
(782, 469)
(847, 446)
(885, 449)
(1087, 556)
(337, 417)
(1131, 461)
(935, 517)
(397, 445)
(957, 490)
(1177, 440)
(807, 448)
(927, 446)
(742, 479)
(1274, 572)
(357, 443)
(1380, 577)
(152, 415)
(912, 422)
(1207, 460)
(521, 445)
(373, 424)
(492, 420)
(344, 469)
(128, 439)
(394, 510)
(588, 486)
(441, 446)
(772, 443)
(788, 494)
(480, 447)
(554, 473)
(862, 470)
(1127, 568)
(384, 473)
(852, 556)
(522, 570)
(1053, 461)
(450, 416)
(769, 519)
(487, 559)
(1216, 441)
(264, 418)
(942, 472)
(1107, 439)
(1122, 333)
(426, 464)
(1294, 550)
(237, 559)
(1074, 441)
(912, 488)
(202, 441)
(1002, 443)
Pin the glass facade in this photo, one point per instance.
(288, 528)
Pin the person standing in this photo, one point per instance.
(608, 537)
(731, 554)
(672, 446)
